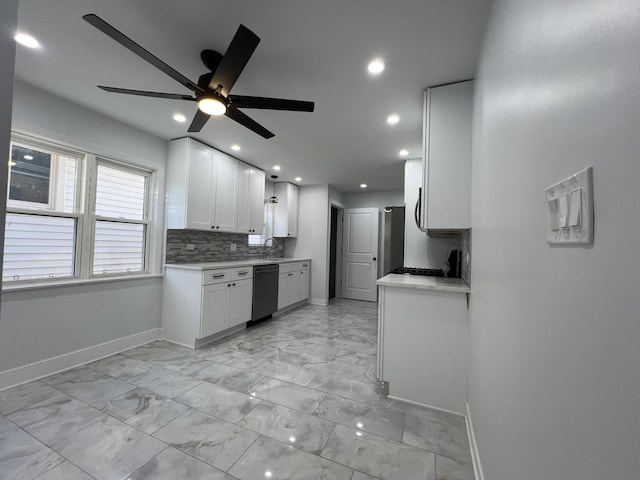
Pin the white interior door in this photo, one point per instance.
(360, 254)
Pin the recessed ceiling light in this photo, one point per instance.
(235, 147)
(363, 185)
(276, 167)
(178, 117)
(393, 119)
(26, 40)
(28, 157)
(376, 66)
(267, 474)
(298, 179)
(359, 434)
(403, 152)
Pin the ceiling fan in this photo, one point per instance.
(212, 91)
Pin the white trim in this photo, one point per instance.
(473, 446)
(393, 397)
(44, 368)
(318, 301)
(9, 286)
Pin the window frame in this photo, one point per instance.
(84, 212)
(92, 198)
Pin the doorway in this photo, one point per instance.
(360, 252)
(333, 253)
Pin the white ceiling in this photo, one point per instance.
(310, 50)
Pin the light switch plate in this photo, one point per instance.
(574, 195)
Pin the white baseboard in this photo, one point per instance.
(473, 445)
(49, 366)
(411, 402)
(318, 301)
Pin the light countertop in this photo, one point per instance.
(235, 263)
(442, 284)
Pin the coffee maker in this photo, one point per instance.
(454, 262)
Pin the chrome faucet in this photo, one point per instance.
(274, 243)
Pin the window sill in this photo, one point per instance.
(19, 287)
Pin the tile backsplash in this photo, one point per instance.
(214, 247)
(463, 243)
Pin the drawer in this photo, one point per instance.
(242, 273)
(209, 277)
(290, 267)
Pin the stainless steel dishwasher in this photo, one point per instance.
(265, 292)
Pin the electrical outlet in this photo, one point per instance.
(233, 247)
(191, 246)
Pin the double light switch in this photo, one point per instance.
(570, 210)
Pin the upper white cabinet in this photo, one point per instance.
(285, 218)
(209, 190)
(250, 199)
(444, 205)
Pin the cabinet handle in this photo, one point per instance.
(417, 213)
(218, 226)
(220, 275)
(228, 284)
(242, 273)
(234, 284)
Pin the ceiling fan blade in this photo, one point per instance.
(142, 93)
(199, 119)
(264, 103)
(244, 120)
(129, 44)
(240, 49)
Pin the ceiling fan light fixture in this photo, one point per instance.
(212, 106)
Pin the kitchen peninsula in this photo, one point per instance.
(423, 339)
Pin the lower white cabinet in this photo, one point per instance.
(197, 304)
(215, 308)
(423, 346)
(240, 302)
(293, 283)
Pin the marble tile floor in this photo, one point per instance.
(292, 398)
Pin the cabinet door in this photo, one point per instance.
(288, 289)
(225, 193)
(447, 159)
(256, 201)
(243, 199)
(303, 285)
(215, 308)
(240, 302)
(292, 210)
(280, 211)
(200, 191)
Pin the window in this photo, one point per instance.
(120, 221)
(42, 215)
(70, 214)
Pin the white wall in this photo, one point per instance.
(8, 24)
(312, 241)
(391, 198)
(49, 322)
(419, 249)
(554, 384)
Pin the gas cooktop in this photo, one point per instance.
(425, 272)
